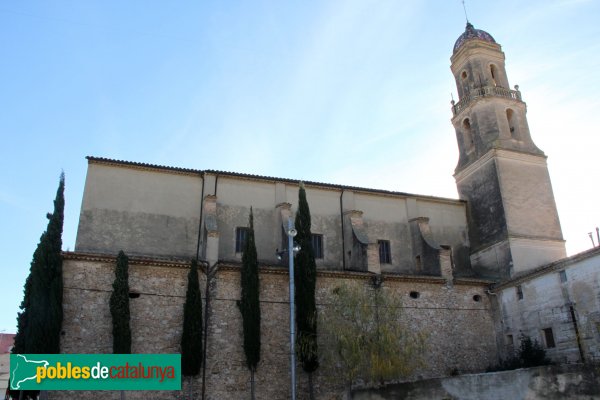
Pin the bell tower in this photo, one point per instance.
(503, 175)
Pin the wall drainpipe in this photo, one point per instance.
(200, 221)
(343, 237)
(576, 328)
(211, 272)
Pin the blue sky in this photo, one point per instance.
(349, 92)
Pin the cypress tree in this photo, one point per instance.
(191, 338)
(249, 304)
(305, 276)
(40, 320)
(119, 307)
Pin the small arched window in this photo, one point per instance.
(510, 117)
(468, 135)
(494, 73)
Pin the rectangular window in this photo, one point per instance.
(418, 263)
(510, 341)
(549, 338)
(317, 245)
(563, 276)
(385, 255)
(519, 292)
(241, 234)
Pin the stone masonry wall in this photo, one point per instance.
(459, 328)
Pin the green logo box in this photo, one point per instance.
(95, 371)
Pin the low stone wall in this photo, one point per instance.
(459, 329)
(574, 381)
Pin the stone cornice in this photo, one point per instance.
(494, 153)
(269, 269)
(475, 47)
(133, 260)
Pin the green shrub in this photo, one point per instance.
(530, 354)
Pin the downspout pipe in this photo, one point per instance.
(577, 336)
(210, 272)
(200, 221)
(343, 236)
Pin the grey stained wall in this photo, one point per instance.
(568, 305)
(543, 383)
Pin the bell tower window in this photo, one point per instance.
(468, 135)
(494, 73)
(510, 117)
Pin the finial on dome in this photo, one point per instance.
(465, 9)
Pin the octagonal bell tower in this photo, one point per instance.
(513, 221)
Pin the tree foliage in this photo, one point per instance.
(250, 304)
(364, 337)
(119, 307)
(40, 320)
(191, 338)
(305, 277)
(530, 354)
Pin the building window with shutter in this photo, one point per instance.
(385, 255)
(241, 235)
(317, 245)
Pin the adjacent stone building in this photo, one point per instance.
(557, 305)
(442, 256)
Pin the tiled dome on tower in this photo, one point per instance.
(472, 33)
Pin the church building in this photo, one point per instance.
(457, 264)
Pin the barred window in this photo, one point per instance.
(241, 235)
(549, 338)
(385, 255)
(519, 292)
(317, 245)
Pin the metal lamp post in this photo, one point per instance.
(291, 251)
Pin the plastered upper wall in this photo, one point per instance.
(139, 211)
(156, 211)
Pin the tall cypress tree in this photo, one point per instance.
(191, 338)
(305, 276)
(250, 304)
(119, 307)
(40, 320)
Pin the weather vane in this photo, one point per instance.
(465, 9)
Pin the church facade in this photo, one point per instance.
(455, 263)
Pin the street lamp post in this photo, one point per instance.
(291, 232)
(291, 251)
